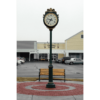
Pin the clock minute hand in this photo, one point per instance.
(48, 19)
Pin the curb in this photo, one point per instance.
(21, 79)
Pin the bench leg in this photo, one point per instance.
(39, 75)
(39, 78)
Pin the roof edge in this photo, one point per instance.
(74, 35)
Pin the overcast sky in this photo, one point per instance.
(30, 24)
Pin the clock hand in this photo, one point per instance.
(49, 21)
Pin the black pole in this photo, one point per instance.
(50, 83)
(50, 66)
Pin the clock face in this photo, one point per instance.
(50, 19)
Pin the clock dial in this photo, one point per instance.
(50, 19)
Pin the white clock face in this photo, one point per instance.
(50, 19)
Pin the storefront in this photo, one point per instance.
(24, 49)
(33, 50)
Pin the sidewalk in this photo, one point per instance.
(69, 90)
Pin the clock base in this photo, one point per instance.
(50, 85)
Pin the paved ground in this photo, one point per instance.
(69, 90)
(31, 69)
(74, 95)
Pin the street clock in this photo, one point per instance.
(50, 18)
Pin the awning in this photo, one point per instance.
(35, 51)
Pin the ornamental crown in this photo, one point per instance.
(51, 10)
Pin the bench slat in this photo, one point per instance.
(55, 74)
(54, 70)
(42, 73)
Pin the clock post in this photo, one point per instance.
(50, 19)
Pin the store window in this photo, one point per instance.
(42, 56)
(77, 55)
(54, 57)
(74, 55)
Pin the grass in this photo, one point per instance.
(21, 79)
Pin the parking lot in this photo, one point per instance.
(31, 69)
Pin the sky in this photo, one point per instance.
(30, 24)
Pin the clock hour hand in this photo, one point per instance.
(49, 21)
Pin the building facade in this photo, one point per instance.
(74, 45)
(33, 50)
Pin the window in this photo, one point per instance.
(79, 59)
(81, 36)
(42, 56)
(76, 59)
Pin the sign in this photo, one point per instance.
(53, 46)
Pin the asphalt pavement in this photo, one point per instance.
(31, 69)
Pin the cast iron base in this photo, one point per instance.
(50, 85)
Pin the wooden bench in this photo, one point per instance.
(56, 72)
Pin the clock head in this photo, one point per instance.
(50, 19)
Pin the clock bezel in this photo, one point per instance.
(50, 27)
